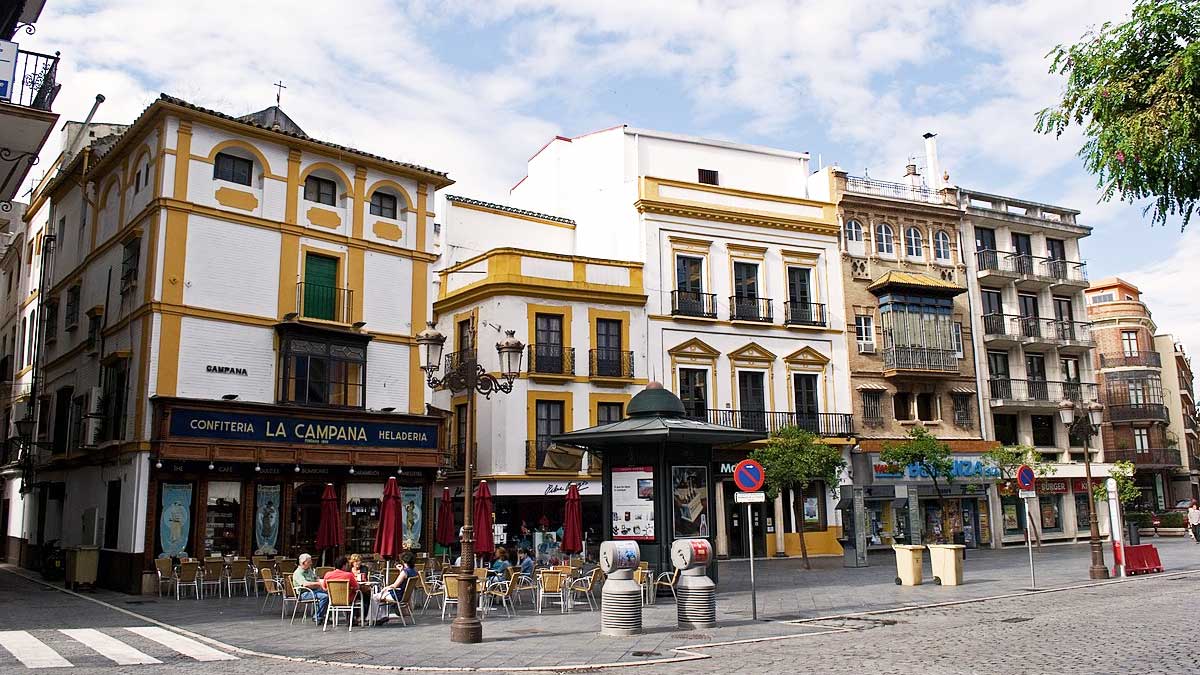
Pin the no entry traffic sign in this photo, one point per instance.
(749, 476)
(1025, 477)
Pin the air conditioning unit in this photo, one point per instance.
(866, 348)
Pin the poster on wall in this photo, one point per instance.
(175, 521)
(633, 503)
(411, 499)
(548, 547)
(689, 499)
(1010, 518)
(266, 520)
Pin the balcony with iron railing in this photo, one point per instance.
(749, 308)
(551, 361)
(1136, 412)
(1149, 457)
(545, 456)
(880, 188)
(822, 424)
(914, 360)
(34, 84)
(694, 304)
(324, 303)
(1138, 360)
(610, 364)
(1037, 393)
(804, 314)
(1030, 270)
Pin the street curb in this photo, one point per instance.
(686, 653)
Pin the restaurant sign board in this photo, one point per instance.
(262, 428)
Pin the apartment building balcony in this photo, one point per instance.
(804, 314)
(613, 365)
(1001, 330)
(1064, 274)
(25, 118)
(551, 363)
(1030, 272)
(324, 303)
(827, 425)
(693, 304)
(1137, 412)
(1035, 395)
(1151, 458)
(903, 191)
(545, 456)
(743, 308)
(1139, 360)
(919, 361)
(1073, 336)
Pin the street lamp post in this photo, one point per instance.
(464, 372)
(1087, 425)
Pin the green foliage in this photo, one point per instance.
(1134, 88)
(1008, 458)
(925, 451)
(794, 458)
(1145, 520)
(1127, 490)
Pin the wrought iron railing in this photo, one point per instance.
(1144, 359)
(889, 189)
(804, 313)
(327, 303)
(920, 358)
(543, 455)
(748, 308)
(692, 303)
(1073, 331)
(610, 363)
(1036, 390)
(1155, 456)
(1064, 270)
(822, 424)
(35, 83)
(551, 359)
(1132, 412)
(1024, 264)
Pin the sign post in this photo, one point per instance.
(749, 477)
(1026, 481)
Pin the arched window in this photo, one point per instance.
(941, 246)
(914, 247)
(883, 239)
(322, 187)
(854, 231)
(385, 204)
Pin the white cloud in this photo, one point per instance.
(1169, 290)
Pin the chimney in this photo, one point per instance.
(911, 175)
(932, 166)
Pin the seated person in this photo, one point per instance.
(306, 584)
(358, 568)
(392, 594)
(525, 562)
(501, 563)
(341, 572)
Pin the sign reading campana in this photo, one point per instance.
(282, 429)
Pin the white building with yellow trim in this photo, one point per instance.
(743, 282)
(227, 326)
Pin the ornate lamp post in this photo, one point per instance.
(464, 372)
(1087, 426)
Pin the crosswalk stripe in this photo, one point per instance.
(31, 651)
(181, 644)
(108, 646)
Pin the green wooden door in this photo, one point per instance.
(320, 286)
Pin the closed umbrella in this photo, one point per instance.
(484, 542)
(572, 523)
(329, 532)
(389, 538)
(446, 534)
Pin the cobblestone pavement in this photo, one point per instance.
(791, 601)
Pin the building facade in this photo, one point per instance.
(220, 337)
(744, 294)
(1034, 346)
(1184, 428)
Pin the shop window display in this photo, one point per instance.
(1083, 513)
(1051, 506)
(1013, 510)
(223, 515)
(362, 505)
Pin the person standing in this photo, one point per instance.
(1193, 517)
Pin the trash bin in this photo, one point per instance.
(1133, 538)
(82, 565)
(947, 563)
(909, 562)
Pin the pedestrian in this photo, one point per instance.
(305, 583)
(1193, 516)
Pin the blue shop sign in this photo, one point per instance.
(961, 468)
(284, 429)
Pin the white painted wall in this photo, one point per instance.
(203, 342)
(231, 267)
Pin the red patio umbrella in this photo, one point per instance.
(329, 532)
(484, 542)
(389, 538)
(572, 541)
(447, 534)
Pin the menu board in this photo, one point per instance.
(633, 503)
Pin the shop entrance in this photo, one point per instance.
(306, 518)
(739, 531)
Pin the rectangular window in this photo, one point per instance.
(985, 239)
(872, 403)
(320, 297)
(130, 262)
(383, 205)
(1129, 342)
(610, 357)
(927, 407)
(1006, 429)
(549, 420)
(864, 329)
(1043, 430)
(460, 435)
(324, 373)
(548, 345)
(608, 413)
(465, 342)
(902, 405)
(320, 190)
(75, 424)
(1100, 298)
(60, 437)
(745, 280)
(993, 313)
(956, 338)
(112, 514)
(93, 335)
(799, 285)
(708, 177)
(50, 316)
(137, 181)
(693, 391)
(1051, 504)
(807, 401)
(1056, 249)
(116, 385)
(233, 169)
(71, 312)
(1141, 439)
(689, 288)
(962, 409)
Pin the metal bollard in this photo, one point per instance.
(621, 600)
(695, 593)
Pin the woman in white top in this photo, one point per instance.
(1193, 516)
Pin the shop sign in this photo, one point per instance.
(238, 468)
(1051, 486)
(1080, 484)
(960, 468)
(531, 488)
(226, 370)
(724, 468)
(260, 428)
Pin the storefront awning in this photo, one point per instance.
(963, 390)
(871, 386)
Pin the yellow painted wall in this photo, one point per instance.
(819, 543)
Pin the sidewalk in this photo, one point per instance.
(786, 593)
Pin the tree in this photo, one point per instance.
(931, 457)
(1008, 458)
(1134, 88)
(794, 458)
(1127, 489)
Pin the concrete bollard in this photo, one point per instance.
(621, 600)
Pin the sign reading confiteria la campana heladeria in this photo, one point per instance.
(283, 429)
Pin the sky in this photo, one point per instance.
(475, 88)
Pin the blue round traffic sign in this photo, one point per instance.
(1025, 477)
(749, 476)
